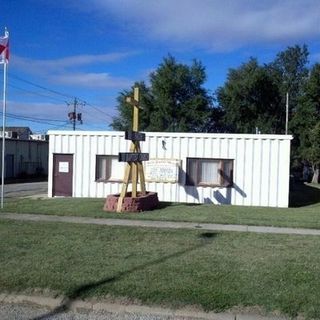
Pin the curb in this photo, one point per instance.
(81, 305)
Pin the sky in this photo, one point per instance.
(93, 50)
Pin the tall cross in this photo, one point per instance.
(134, 168)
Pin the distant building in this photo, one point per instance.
(21, 133)
(25, 158)
(26, 155)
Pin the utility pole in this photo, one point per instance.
(74, 116)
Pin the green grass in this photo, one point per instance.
(215, 271)
(307, 216)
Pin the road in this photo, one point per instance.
(16, 190)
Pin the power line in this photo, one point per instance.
(40, 86)
(97, 109)
(35, 93)
(31, 119)
(57, 93)
(62, 126)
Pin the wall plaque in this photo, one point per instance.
(162, 170)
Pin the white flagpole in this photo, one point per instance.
(4, 103)
(287, 112)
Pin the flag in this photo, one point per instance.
(4, 48)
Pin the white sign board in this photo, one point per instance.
(162, 170)
(64, 167)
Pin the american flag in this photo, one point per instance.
(4, 48)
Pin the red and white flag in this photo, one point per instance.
(4, 48)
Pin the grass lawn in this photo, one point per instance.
(215, 271)
(306, 216)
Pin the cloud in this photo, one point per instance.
(68, 62)
(41, 110)
(61, 71)
(215, 24)
(92, 80)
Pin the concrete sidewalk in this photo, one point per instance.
(160, 224)
(62, 306)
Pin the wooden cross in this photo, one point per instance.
(134, 170)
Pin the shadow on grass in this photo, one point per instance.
(163, 205)
(206, 238)
(302, 195)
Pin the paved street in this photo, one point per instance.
(15, 190)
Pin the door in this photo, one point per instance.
(62, 175)
(9, 166)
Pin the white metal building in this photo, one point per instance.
(239, 169)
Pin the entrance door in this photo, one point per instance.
(62, 175)
(9, 168)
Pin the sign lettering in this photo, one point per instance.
(135, 136)
(133, 157)
(162, 170)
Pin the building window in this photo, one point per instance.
(108, 168)
(209, 172)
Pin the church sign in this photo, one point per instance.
(162, 170)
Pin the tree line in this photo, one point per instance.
(253, 98)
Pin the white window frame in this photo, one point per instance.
(225, 179)
(108, 171)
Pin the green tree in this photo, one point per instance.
(124, 119)
(314, 152)
(289, 72)
(306, 122)
(250, 99)
(175, 101)
(180, 101)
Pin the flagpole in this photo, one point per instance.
(3, 127)
(287, 111)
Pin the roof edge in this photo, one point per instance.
(175, 134)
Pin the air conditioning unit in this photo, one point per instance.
(14, 135)
(41, 137)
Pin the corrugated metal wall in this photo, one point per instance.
(261, 164)
(27, 155)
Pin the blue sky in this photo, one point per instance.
(95, 49)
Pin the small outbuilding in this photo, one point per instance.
(237, 169)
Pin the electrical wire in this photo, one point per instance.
(11, 75)
(86, 103)
(35, 93)
(31, 119)
(61, 126)
(97, 109)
